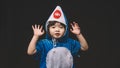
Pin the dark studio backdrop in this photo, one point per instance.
(93, 16)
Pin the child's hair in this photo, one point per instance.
(51, 23)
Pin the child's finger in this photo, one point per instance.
(35, 26)
(32, 27)
(72, 25)
(77, 25)
(71, 30)
(38, 27)
(74, 22)
(41, 27)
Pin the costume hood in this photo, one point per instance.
(57, 15)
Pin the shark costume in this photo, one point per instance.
(57, 53)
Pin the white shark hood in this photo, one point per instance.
(57, 15)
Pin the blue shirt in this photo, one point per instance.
(43, 47)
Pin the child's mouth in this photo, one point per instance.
(57, 34)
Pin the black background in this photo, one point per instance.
(94, 17)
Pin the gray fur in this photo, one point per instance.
(59, 57)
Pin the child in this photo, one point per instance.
(56, 36)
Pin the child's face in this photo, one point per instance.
(57, 30)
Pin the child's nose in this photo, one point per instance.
(57, 29)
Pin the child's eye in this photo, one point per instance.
(61, 26)
(53, 27)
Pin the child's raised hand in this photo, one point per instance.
(75, 28)
(38, 30)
